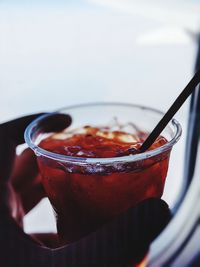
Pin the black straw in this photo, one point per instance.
(171, 112)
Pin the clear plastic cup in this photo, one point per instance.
(87, 192)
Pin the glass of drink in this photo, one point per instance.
(92, 171)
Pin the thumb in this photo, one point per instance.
(11, 134)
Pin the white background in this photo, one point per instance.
(54, 55)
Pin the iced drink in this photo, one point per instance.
(91, 170)
(86, 195)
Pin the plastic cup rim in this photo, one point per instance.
(81, 161)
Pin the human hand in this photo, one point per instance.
(20, 181)
(117, 243)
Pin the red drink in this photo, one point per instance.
(84, 194)
(91, 176)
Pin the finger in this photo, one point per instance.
(55, 122)
(31, 196)
(7, 156)
(123, 241)
(26, 180)
(15, 207)
(15, 129)
(11, 134)
(25, 170)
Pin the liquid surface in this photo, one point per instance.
(91, 142)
